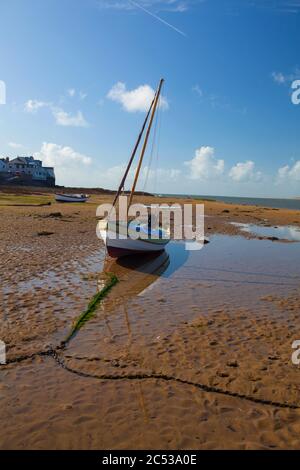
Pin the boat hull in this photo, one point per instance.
(70, 198)
(119, 247)
(126, 249)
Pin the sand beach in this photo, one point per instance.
(187, 350)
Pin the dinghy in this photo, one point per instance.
(118, 236)
(117, 245)
(71, 197)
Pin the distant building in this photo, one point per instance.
(26, 171)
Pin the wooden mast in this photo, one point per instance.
(156, 98)
(133, 155)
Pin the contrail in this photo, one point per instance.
(157, 18)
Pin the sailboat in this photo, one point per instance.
(116, 236)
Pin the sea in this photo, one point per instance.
(252, 201)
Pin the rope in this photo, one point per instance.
(53, 353)
(157, 154)
(155, 141)
(152, 150)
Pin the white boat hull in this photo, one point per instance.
(71, 197)
(118, 247)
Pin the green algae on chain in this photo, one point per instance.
(88, 313)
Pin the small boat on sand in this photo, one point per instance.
(71, 197)
(117, 245)
(118, 236)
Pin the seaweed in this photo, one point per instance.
(90, 310)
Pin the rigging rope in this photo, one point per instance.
(157, 154)
(155, 142)
(148, 168)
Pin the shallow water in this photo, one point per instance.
(176, 286)
(287, 232)
(156, 293)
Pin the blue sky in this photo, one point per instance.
(79, 75)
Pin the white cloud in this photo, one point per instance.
(71, 168)
(204, 165)
(170, 174)
(291, 173)
(283, 172)
(82, 95)
(15, 145)
(180, 7)
(112, 176)
(244, 172)
(294, 172)
(198, 90)
(281, 78)
(71, 92)
(67, 119)
(115, 4)
(32, 106)
(158, 175)
(62, 118)
(278, 6)
(138, 99)
(278, 77)
(61, 157)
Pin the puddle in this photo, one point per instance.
(71, 272)
(40, 310)
(160, 293)
(287, 232)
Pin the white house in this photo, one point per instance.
(26, 170)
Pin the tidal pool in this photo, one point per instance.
(285, 232)
(156, 294)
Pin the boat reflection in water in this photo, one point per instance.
(135, 273)
(141, 270)
(129, 314)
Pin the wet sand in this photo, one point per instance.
(188, 350)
